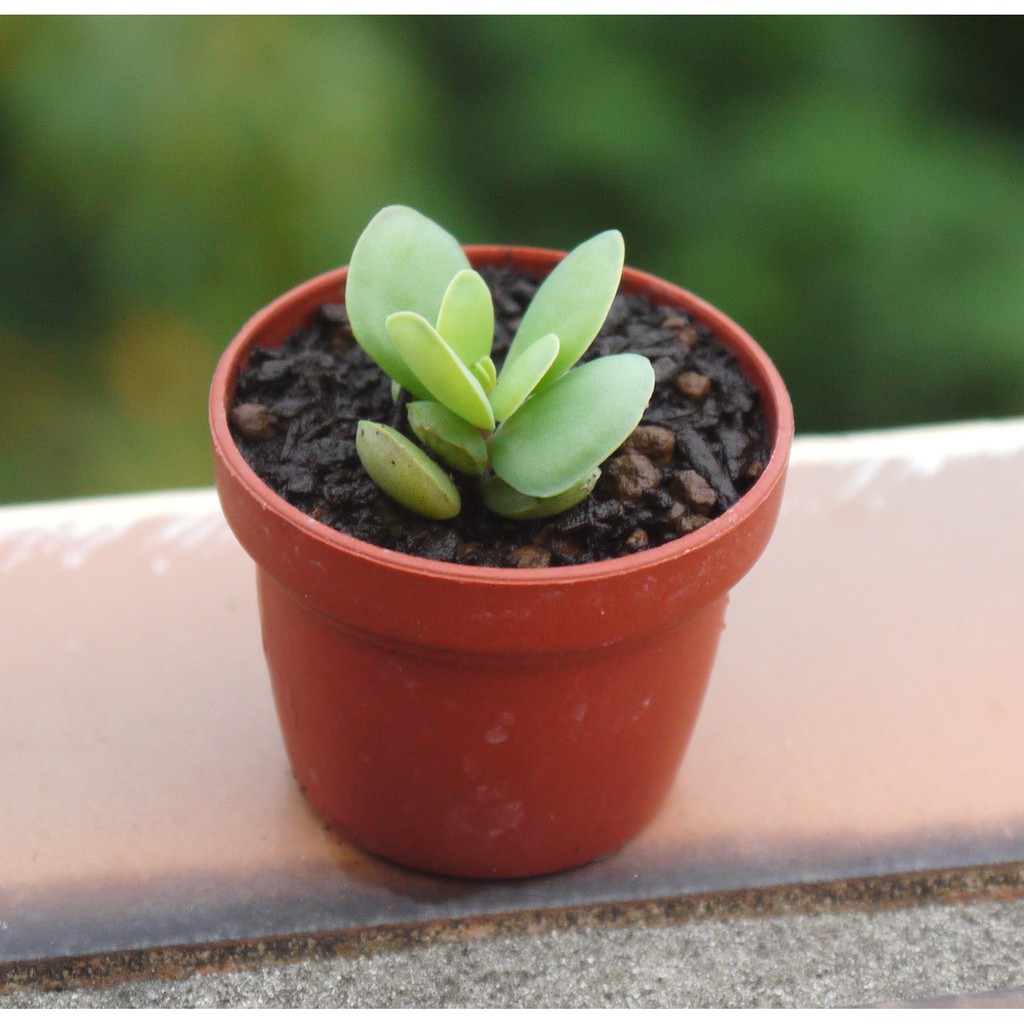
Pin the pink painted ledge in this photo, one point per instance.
(864, 717)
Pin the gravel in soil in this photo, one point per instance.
(700, 446)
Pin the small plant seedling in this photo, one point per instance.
(533, 432)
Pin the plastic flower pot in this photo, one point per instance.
(488, 723)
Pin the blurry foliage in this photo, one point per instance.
(849, 189)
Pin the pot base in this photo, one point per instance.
(432, 867)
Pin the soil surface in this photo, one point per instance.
(701, 444)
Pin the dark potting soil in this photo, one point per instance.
(701, 444)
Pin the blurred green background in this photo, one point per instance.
(850, 189)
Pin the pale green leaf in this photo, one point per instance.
(405, 472)
(485, 372)
(573, 301)
(517, 381)
(447, 379)
(402, 261)
(572, 426)
(448, 436)
(466, 320)
(506, 501)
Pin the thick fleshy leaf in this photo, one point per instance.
(444, 375)
(405, 472)
(506, 501)
(466, 320)
(448, 436)
(402, 260)
(517, 381)
(566, 430)
(573, 301)
(485, 372)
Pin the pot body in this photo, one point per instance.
(481, 722)
(483, 765)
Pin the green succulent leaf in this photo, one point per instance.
(466, 320)
(444, 375)
(405, 472)
(573, 301)
(485, 371)
(566, 430)
(448, 436)
(518, 380)
(402, 261)
(506, 501)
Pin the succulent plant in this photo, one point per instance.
(533, 432)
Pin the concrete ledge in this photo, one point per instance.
(861, 736)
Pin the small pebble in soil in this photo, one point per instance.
(687, 523)
(654, 443)
(637, 540)
(682, 328)
(254, 422)
(629, 475)
(753, 470)
(694, 386)
(531, 556)
(693, 490)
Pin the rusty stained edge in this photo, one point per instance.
(993, 883)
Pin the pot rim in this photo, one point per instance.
(774, 397)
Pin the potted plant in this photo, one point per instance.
(467, 719)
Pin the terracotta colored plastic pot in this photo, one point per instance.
(488, 722)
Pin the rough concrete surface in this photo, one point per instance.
(811, 960)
